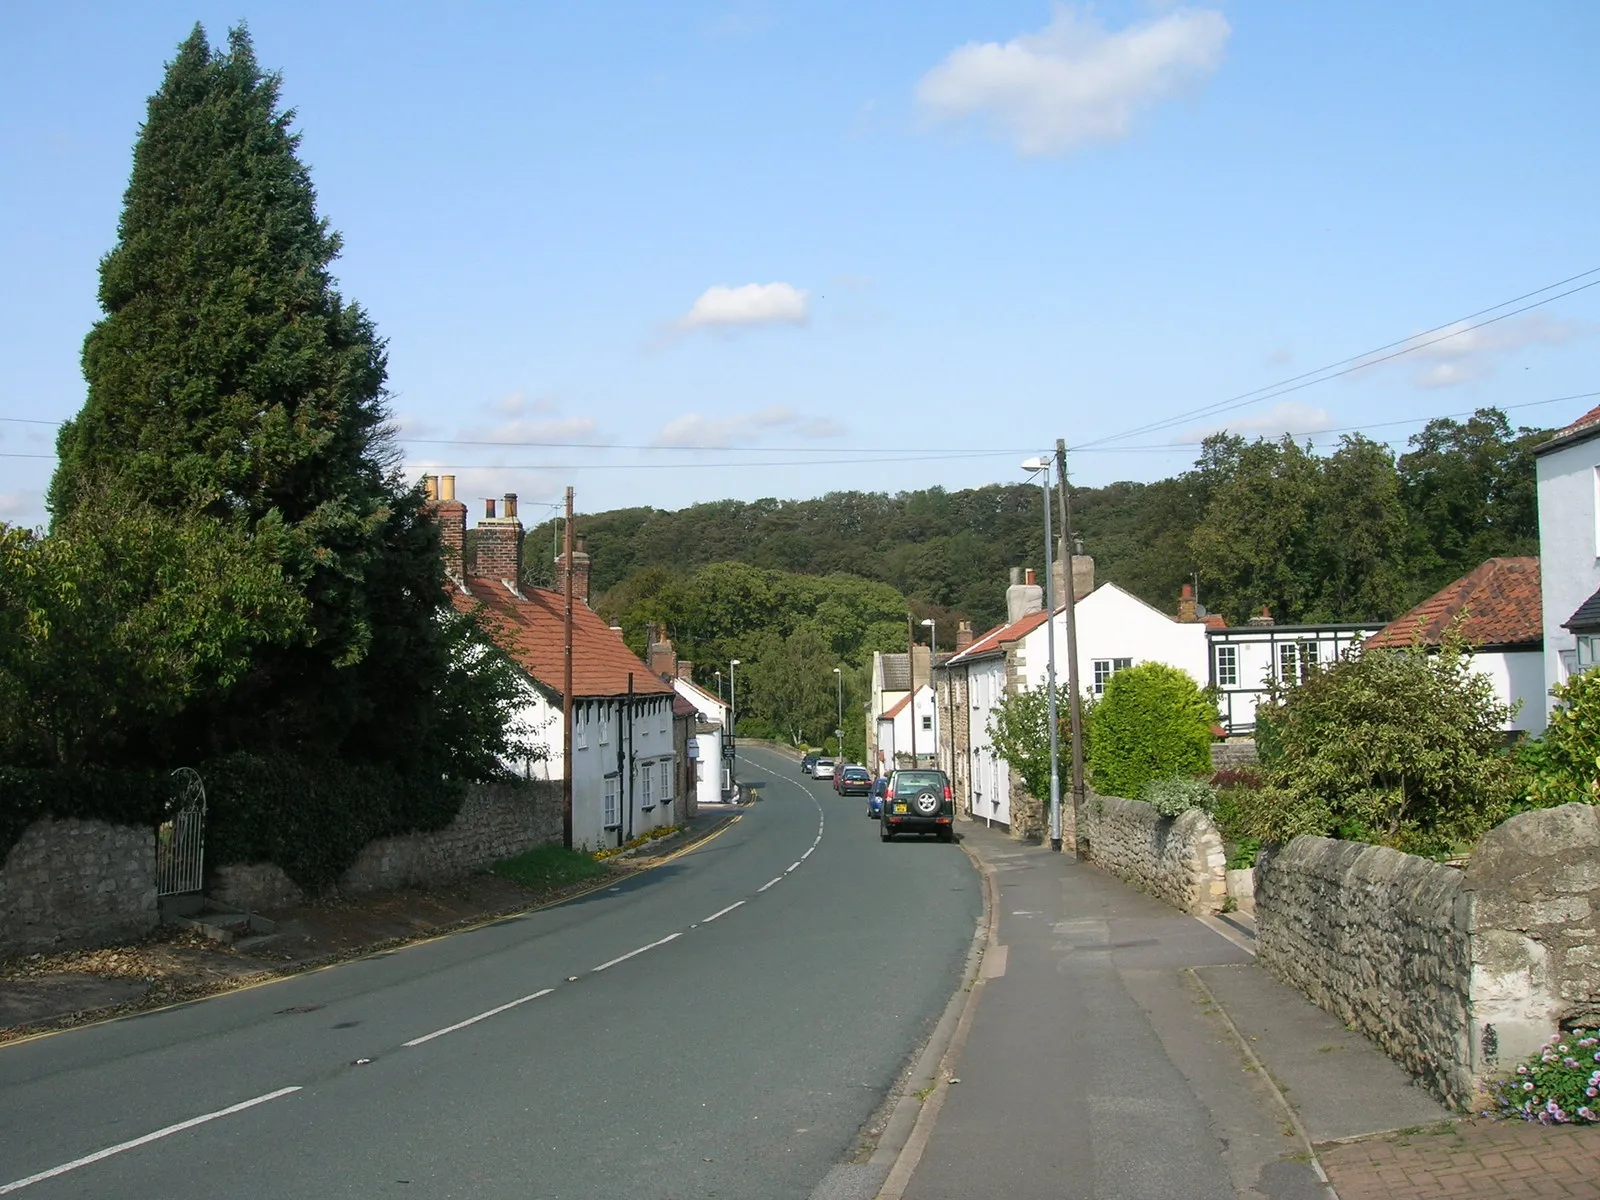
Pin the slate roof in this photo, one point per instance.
(531, 630)
(1501, 599)
(1586, 618)
(1585, 427)
(896, 672)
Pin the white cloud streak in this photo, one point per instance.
(726, 308)
(692, 429)
(1467, 355)
(1073, 82)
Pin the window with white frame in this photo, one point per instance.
(1295, 660)
(644, 788)
(1595, 509)
(927, 721)
(1105, 668)
(1588, 651)
(666, 780)
(580, 731)
(611, 819)
(1227, 666)
(605, 725)
(666, 715)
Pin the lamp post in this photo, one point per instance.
(719, 684)
(1042, 465)
(733, 707)
(933, 693)
(838, 732)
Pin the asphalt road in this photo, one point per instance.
(721, 1026)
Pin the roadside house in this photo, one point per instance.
(708, 767)
(907, 734)
(625, 776)
(1499, 606)
(1568, 474)
(1247, 660)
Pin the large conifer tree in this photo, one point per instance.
(229, 379)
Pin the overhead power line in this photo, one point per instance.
(1359, 362)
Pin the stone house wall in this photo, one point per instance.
(77, 883)
(1179, 860)
(1238, 753)
(1456, 974)
(496, 821)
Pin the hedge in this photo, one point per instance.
(1152, 722)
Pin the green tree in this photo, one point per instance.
(1019, 731)
(1151, 722)
(788, 683)
(1567, 758)
(229, 380)
(1361, 535)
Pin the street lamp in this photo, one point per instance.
(1042, 464)
(733, 708)
(933, 659)
(718, 674)
(838, 733)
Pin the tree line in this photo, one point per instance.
(1354, 533)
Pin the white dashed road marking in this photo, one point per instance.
(632, 953)
(483, 1016)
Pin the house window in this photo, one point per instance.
(580, 732)
(1227, 666)
(1295, 660)
(605, 729)
(1588, 651)
(644, 788)
(1596, 510)
(612, 820)
(665, 709)
(927, 721)
(1105, 668)
(666, 780)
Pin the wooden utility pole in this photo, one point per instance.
(911, 680)
(566, 686)
(1080, 844)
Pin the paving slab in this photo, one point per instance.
(1339, 1084)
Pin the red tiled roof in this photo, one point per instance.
(1216, 621)
(532, 630)
(682, 708)
(1501, 599)
(1000, 635)
(1584, 427)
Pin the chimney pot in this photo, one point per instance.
(447, 487)
(488, 509)
(1029, 578)
(511, 504)
(430, 488)
(1188, 611)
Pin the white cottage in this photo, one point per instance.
(1246, 661)
(907, 734)
(1568, 472)
(625, 759)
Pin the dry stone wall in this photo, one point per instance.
(1381, 940)
(495, 822)
(77, 883)
(1458, 975)
(1176, 859)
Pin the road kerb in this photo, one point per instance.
(939, 1056)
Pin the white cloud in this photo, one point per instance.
(1464, 355)
(516, 405)
(1288, 416)
(20, 504)
(1073, 82)
(722, 307)
(692, 429)
(538, 431)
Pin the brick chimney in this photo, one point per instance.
(686, 671)
(963, 636)
(1262, 619)
(580, 570)
(499, 553)
(450, 515)
(660, 657)
(1188, 611)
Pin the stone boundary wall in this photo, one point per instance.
(1381, 940)
(1241, 753)
(496, 821)
(77, 883)
(1458, 975)
(1176, 859)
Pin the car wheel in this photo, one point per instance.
(926, 803)
(883, 831)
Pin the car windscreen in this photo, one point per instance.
(856, 773)
(912, 781)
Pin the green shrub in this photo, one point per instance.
(1151, 722)
(1177, 794)
(1404, 748)
(88, 793)
(546, 868)
(1566, 761)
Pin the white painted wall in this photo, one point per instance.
(1517, 675)
(603, 752)
(894, 733)
(713, 777)
(1114, 624)
(1257, 656)
(1569, 547)
(990, 798)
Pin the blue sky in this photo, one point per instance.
(773, 249)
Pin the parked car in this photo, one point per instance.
(822, 768)
(839, 769)
(808, 762)
(854, 781)
(918, 802)
(880, 785)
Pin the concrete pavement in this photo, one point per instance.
(1119, 1050)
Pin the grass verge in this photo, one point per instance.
(549, 867)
